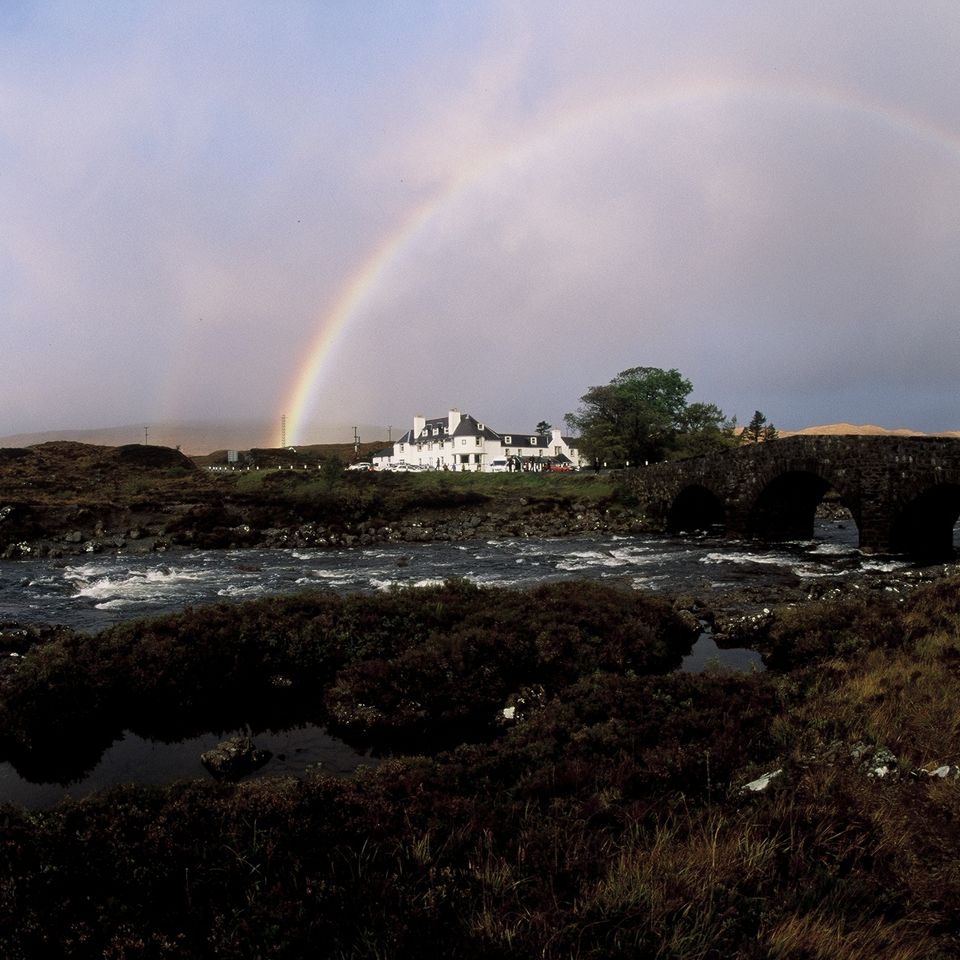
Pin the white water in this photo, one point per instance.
(94, 592)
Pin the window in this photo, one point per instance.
(479, 441)
(463, 443)
(508, 440)
(533, 441)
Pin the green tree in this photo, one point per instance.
(758, 430)
(704, 428)
(544, 427)
(634, 418)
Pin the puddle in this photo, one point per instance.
(706, 655)
(133, 759)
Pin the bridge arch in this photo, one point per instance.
(923, 526)
(695, 507)
(786, 506)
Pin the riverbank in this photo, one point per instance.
(547, 793)
(68, 499)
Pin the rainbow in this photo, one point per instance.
(361, 288)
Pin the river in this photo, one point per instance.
(91, 592)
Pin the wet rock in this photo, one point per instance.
(234, 758)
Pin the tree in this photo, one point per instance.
(543, 427)
(758, 430)
(634, 418)
(704, 429)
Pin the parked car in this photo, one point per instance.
(497, 466)
(362, 465)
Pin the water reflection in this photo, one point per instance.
(706, 655)
(134, 759)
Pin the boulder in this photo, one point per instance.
(234, 758)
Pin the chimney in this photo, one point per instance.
(419, 422)
(453, 420)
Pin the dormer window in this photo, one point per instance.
(533, 441)
(508, 439)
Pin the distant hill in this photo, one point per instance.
(865, 429)
(195, 437)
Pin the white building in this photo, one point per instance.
(460, 442)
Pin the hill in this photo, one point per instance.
(866, 429)
(194, 437)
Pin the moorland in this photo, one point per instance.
(62, 498)
(548, 787)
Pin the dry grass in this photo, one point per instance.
(819, 937)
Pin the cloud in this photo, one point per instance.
(760, 197)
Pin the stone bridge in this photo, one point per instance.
(903, 492)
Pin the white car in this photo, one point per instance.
(362, 465)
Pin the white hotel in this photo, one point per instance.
(460, 442)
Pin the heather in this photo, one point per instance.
(608, 817)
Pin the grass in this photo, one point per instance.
(588, 486)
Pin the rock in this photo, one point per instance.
(947, 771)
(761, 783)
(877, 762)
(234, 758)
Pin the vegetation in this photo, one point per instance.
(758, 430)
(58, 498)
(608, 819)
(643, 415)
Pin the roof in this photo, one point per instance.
(522, 439)
(471, 427)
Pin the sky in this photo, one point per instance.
(352, 211)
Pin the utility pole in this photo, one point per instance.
(356, 444)
(283, 431)
(390, 434)
(146, 436)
